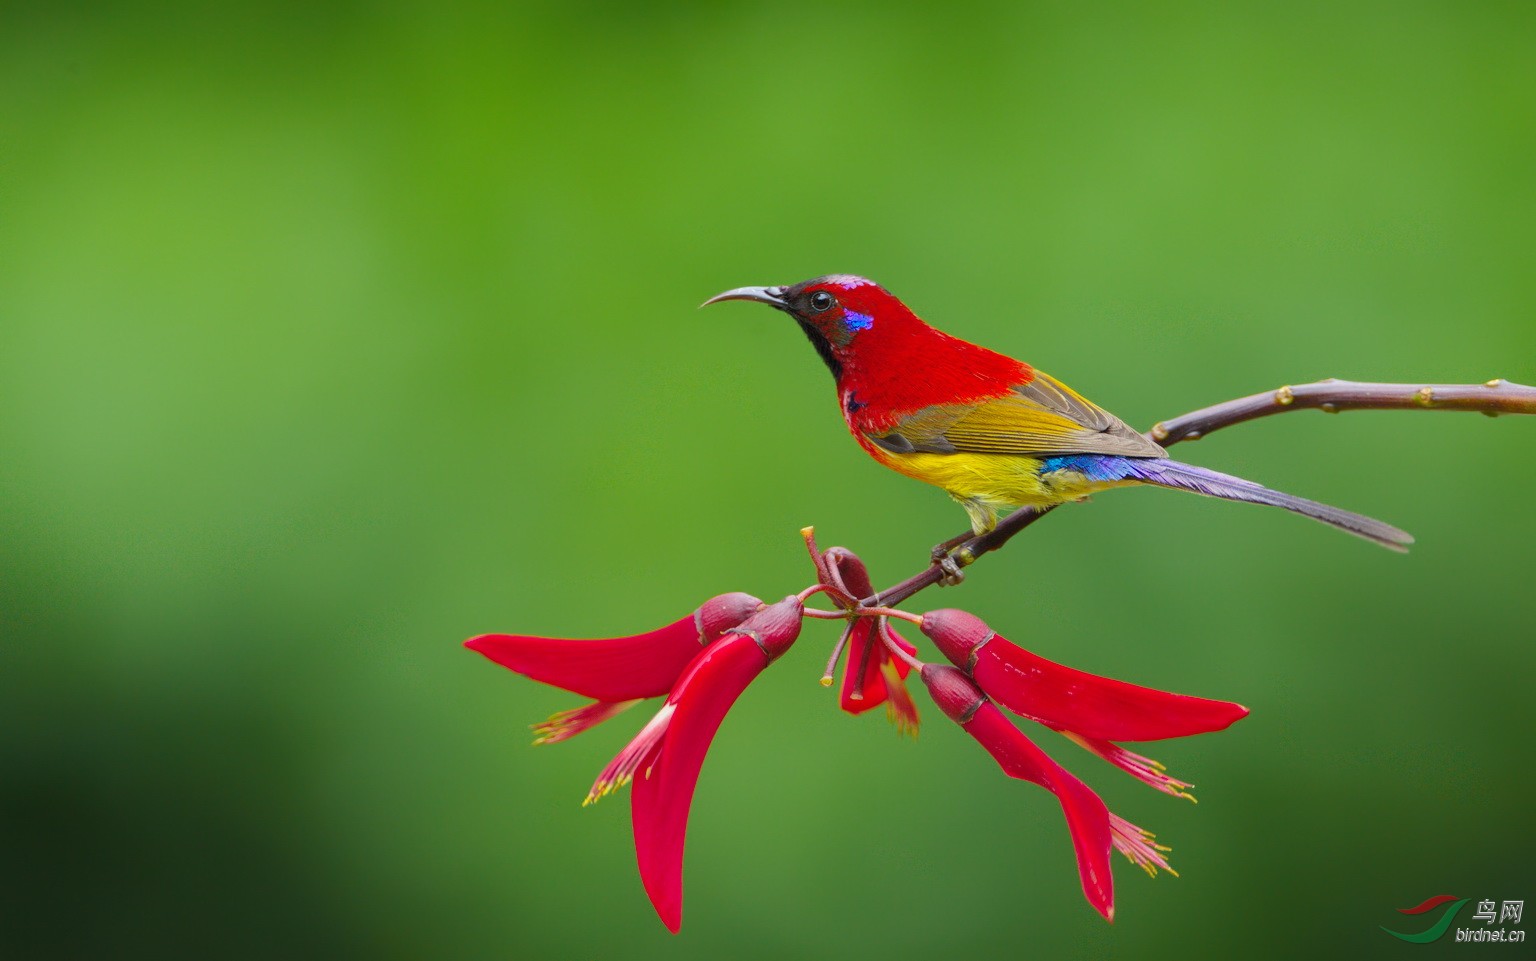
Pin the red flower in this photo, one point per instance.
(1091, 710)
(704, 662)
(669, 751)
(617, 672)
(740, 637)
(872, 675)
(1094, 830)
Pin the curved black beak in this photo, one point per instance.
(772, 296)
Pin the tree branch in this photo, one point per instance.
(1332, 396)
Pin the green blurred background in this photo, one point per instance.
(329, 338)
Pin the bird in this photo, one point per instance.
(993, 432)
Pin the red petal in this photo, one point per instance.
(865, 648)
(1090, 705)
(620, 668)
(901, 710)
(660, 801)
(902, 667)
(863, 689)
(1087, 818)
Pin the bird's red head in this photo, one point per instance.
(885, 360)
(843, 315)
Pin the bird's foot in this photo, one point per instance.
(952, 573)
(941, 550)
(951, 564)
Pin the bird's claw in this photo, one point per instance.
(942, 549)
(951, 568)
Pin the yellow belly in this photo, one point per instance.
(986, 484)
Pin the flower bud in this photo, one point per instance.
(955, 694)
(725, 611)
(1087, 818)
(957, 633)
(852, 570)
(775, 627)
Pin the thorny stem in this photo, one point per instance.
(1331, 396)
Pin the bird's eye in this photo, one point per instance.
(821, 300)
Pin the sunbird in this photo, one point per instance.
(993, 432)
